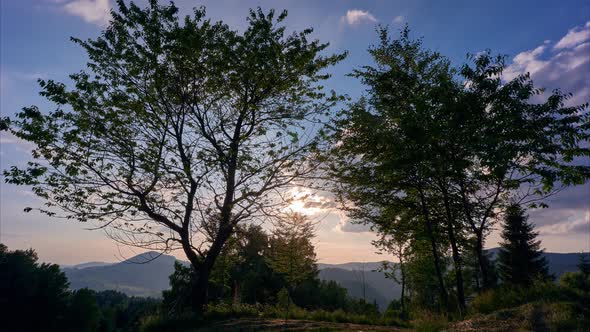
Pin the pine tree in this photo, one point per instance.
(584, 263)
(520, 260)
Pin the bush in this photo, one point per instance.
(162, 323)
(508, 297)
(576, 282)
(426, 321)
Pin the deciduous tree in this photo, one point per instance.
(179, 129)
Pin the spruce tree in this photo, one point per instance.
(520, 260)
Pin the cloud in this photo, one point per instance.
(565, 65)
(574, 37)
(91, 11)
(357, 16)
(324, 205)
(399, 19)
(526, 62)
(571, 222)
(348, 225)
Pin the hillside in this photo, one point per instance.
(377, 288)
(137, 276)
(141, 276)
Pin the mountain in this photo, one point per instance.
(376, 288)
(85, 265)
(147, 275)
(558, 263)
(352, 266)
(143, 275)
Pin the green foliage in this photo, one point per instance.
(179, 127)
(122, 313)
(438, 151)
(226, 311)
(520, 259)
(177, 298)
(539, 291)
(83, 313)
(321, 294)
(245, 272)
(292, 253)
(577, 282)
(43, 289)
(29, 287)
(427, 321)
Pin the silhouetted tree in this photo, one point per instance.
(520, 260)
(292, 253)
(450, 148)
(83, 314)
(33, 296)
(180, 130)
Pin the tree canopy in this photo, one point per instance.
(448, 148)
(179, 129)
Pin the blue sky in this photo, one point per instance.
(550, 39)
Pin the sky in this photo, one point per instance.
(549, 39)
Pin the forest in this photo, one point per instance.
(184, 135)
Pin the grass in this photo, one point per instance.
(226, 314)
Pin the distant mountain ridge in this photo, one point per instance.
(143, 275)
(147, 275)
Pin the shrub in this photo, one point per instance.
(426, 321)
(162, 323)
(508, 297)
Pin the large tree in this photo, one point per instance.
(178, 130)
(451, 147)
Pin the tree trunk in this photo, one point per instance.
(455, 249)
(203, 270)
(403, 277)
(458, 270)
(237, 292)
(481, 259)
(441, 284)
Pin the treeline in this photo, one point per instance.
(257, 271)
(35, 297)
(256, 267)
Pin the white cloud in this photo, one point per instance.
(526, 62)
(574, 37)
(565, 65)
(572, 221)
(399, 19)
(357, 16)
(91, 11)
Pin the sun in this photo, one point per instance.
(306, 202)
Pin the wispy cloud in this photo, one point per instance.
(91, 11)
(357, 16)
(574, 37)
(565, 65)
(399, 19)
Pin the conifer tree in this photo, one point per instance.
(292, 253)
(520, 260)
